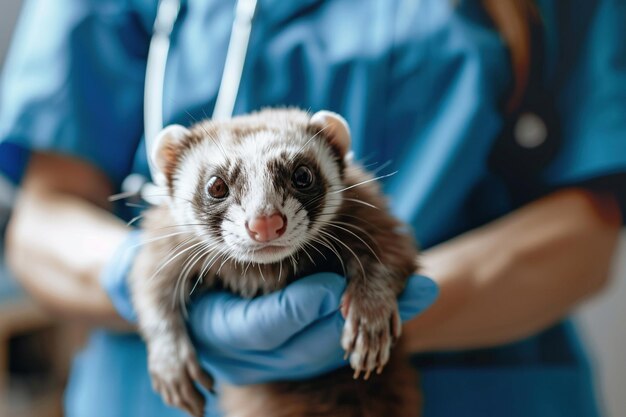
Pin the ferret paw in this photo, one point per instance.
(370, 330)
(174, 369)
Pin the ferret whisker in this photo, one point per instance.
(182, 278)
(354, 227)
(303, 248)
(217, 256)
(356, 200)
(367, 166)
(202, 252)
(218, 253)
(322, 241)
(327, 244)
(381, 167)
(146, 241)
(170, 196)
(309, 244)
(179, 288)
(359, 219)
(134, 219)
(193, 119)
(223, 262)
(182, 225)
(364, 182)
(356, 236)
(307, 206)
(359, 229)
(331, 236)
(193, 259)
(207, 252)
(188, 264)
(214, 140)
(171, 259)
(121, 196)
(151, 238)
(293, 262)
(173, 249)
(261, 272)
(211, 136)
(315, 200)
(309, 141)
(204, 270)
(208, 264)
(195, 285)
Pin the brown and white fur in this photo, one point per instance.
(338, 224)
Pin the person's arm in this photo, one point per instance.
(61, 236)
(498, 283)
(517, 275)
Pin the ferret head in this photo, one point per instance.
(256, 188)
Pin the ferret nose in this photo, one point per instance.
(267, 228)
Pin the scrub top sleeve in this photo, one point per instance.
(73, 82)
(592, 105)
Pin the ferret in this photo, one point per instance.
(254, 203)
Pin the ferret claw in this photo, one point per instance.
(367, 336)
(173, 371)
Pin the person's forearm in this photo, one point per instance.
(58, 244)
(518, 275)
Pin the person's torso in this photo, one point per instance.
(422, 85)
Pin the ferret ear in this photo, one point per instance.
(165, 146)
(335, 129)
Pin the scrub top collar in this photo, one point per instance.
(273, 11)
(281, 10)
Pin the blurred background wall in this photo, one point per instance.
(603, 320)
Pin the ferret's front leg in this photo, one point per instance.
(370, 308)
(172, 360)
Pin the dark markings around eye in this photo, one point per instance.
(234, 173)
(210, 213)
(336, 152)
(236, 176)
(314, 198)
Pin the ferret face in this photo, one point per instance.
(257, 189)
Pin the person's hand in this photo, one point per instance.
(290, 334)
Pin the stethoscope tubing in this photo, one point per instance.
(168, 12)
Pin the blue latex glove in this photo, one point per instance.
(289, 334)
(113, 277)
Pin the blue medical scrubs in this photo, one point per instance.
(422, 84)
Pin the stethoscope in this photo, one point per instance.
(527, 133)
(167, 14)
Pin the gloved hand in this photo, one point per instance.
(114, 276)
(289, 334)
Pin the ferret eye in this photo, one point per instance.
(302, 177)
(217, 188)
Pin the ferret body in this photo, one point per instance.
(255, 203)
